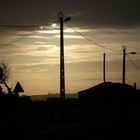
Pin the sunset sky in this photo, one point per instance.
(33, 52)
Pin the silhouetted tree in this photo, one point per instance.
(4, 73)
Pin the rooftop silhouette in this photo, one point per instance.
(109, 89)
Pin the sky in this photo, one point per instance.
(33, 52)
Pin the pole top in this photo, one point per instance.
(124, 47)
(60, 15)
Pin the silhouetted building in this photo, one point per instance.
(108, 90)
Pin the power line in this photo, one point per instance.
(95, 43)
(11, 26)
(134, 65)
(19, 26)
(25, 26)
(8, 44)
(28, 26)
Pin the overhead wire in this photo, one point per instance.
(25, 26)
(134, 65)
(8, 44)
(44, 25)
(90, 40)
(19, 26)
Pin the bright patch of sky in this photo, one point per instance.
(35, 57)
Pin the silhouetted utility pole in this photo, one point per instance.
(62, 67)
(124, 54)
(104, 67)
(123, 72)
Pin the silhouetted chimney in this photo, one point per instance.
(135, 86)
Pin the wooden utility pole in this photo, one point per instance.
(104, 67)
(62, 64)
(124, 55)
(123, 71)
(62, 69)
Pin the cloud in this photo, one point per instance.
(41, 49)
(35, 68)
(37, 37)
(71, 37)
(36, 57)
(97, 13)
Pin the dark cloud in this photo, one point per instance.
(97, 13)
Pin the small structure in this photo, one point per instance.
(18, 88)
(109, 91)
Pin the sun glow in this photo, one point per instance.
(54, 25)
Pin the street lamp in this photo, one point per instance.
(62, 67)
(124, 54)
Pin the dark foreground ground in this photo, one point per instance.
(72, 119)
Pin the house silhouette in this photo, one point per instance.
(109, 90)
